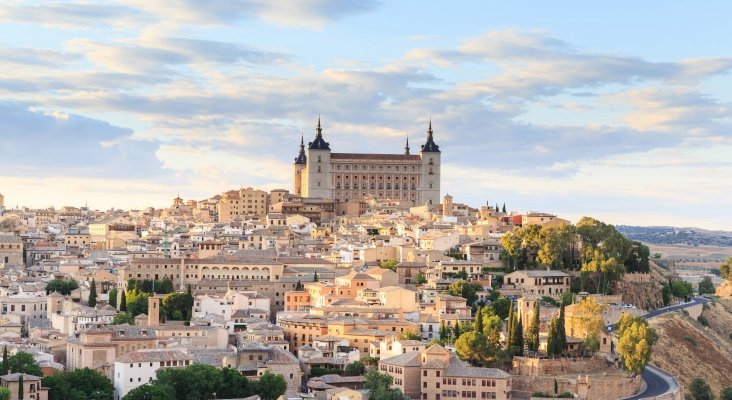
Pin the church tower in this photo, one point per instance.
(300, 164)
(318, 182)
(430, 177)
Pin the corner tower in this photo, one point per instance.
(430, 179)
(317, 171)
(299, 167)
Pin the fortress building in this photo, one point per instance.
(412, 179)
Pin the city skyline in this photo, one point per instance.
(576, 109)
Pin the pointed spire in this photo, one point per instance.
(319, 143)
(430, 145)
(406, 148)
(301, 157)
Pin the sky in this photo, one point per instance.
(617, 110)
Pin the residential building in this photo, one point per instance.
(138, 367)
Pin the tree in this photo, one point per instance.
(466, 290)
(234, 385)
(586, 317)
(151, 392)
(726, 394)
(725, 270)
(555, 246)
(700, 390)
(532, 338)
(24, 362)
(635, 343)
(591, 344)
(706, 286)
(551, 340)
(478, 320)
(176, 306)
(123, 318)
(608, 270)
(561, 331)
(113, 297)
(270, 386)
(299, 286)
(123, 302)
(518, 337)
(92, 293)
(5, 393)
(511, 243)
(6, 362)
(356, 368)
(195, 382)
(379, 387)
(500, 307)
(421, 279)
(136, 302)
(62, 286)
(504, 208)
(21, 395)
(389, 264)
(409, 335)
(443, 331)
(509, 329)
(81, 384)
(315, 276)
(666, 294)
(473, 347)
(681, 289)
(456, 330)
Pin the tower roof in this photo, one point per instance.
(319, 143)
(301, 158)
(406, 147)
(430, 146)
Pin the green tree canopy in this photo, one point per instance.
(270, 386)
(355, 368)
(136, 302)
(473, 347)
(151, 392)
(24, 362)
(726, 394)
(81, 384)
(725, 270)
(123, 318)
(700, 390)
(113, 297)
(92, 301)
(409, 335)
(62, 286)
(5, 393)
(379, 387)
(500, 307)
(466, 290)
(706, 286)
(635, 343)
(389, 264)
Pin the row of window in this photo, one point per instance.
(381, 167)
(374, 186)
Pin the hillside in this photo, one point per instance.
(646, 296)
(671, 235)
(689, 350)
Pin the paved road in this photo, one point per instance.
(694, 301)
(657, 381)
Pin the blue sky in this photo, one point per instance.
(619, 110)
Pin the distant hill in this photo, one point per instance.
(670, 235)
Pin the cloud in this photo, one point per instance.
(55, 143)
(81, 15)
(294, 13)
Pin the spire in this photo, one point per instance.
(430, 146)
(301, 158)
(319, 143)
(406, 148)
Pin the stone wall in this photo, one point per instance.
(637, 277)
(557, 366)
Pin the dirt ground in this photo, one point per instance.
(689, 350)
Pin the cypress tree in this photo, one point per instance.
(504, 208)
(6, 361)
(457, 330)
(443, 331)
(478, 323)
(551, 340)
(21, 395)
(518, 333)
(510, 326)
(561, 332)
(315, 276)
(533, 336)
(123, 302)
(93, 293)
(298, 286)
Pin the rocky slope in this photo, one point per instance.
(689, 350)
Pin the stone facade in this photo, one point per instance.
(408, 178)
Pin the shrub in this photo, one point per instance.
(703, 320)
(690, 340)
